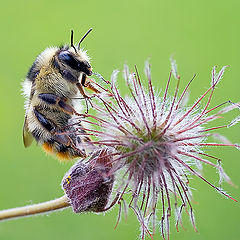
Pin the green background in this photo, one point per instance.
(200, 34)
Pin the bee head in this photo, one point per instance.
(73, 60)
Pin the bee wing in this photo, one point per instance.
(27, 136)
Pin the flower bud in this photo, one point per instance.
(88, 186)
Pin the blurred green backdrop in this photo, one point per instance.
(199, 34)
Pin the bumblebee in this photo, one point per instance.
(52, 88)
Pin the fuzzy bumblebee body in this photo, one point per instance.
(52, 89)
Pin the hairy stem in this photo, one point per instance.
(29, 210)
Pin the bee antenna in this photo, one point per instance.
(72, 41)
(84, 37)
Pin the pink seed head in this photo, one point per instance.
(155, 143)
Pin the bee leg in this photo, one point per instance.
(43, 121)
(58, 135)
(52, 99)
(52, 128)
(67, 139)
(88, 85)
(86, 97)
(63, 138)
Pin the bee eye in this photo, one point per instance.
(68, 59)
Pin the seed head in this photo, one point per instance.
(155, 142)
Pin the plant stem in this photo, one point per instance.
(29, 210)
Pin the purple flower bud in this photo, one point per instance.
(88, 186)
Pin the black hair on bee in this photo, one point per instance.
(52, 88)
